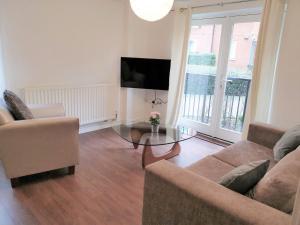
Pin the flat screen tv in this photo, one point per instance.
(145, 73)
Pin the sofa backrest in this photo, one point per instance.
(5, 116)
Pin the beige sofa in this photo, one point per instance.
(32, 146)
(191, 196)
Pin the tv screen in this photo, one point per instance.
(145, 73)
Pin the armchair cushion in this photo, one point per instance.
(16, 106)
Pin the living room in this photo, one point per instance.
(149, 112)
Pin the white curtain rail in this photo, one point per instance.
(221, 4)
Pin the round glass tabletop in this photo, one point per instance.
(140, 134)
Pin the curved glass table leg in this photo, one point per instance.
(141, 134)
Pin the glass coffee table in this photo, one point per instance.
(140, 134)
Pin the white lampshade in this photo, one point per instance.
(151, 10)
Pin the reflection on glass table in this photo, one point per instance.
(140, 134)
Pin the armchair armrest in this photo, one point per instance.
(264, 134)
(175, 196)
(38, 145)
(46, 111)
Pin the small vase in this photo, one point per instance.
(154, 128)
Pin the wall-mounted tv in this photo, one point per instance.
(145, 73)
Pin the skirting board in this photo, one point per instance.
(105, 124)
(130, 122)
(97, 126)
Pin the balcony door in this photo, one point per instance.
(219, 72)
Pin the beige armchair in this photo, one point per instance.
(48, 142)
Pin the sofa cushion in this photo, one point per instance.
(279, 186)
(244, 152)
(16, 106)
(287, 143)
(243, 178)
(210, 168)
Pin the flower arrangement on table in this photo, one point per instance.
(154, 121)
(154, 118)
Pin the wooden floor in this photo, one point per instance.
(107, 187)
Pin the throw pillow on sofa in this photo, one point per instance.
(278, 187)
(16, 106)
(287, 143)
(243, 178)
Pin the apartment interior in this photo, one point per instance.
(161, 112)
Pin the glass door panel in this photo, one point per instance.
(201, 73)
(219, 72)
(239, 74)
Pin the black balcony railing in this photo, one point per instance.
(199, 97)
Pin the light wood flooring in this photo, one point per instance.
(107, 188)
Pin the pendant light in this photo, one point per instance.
(151, 10)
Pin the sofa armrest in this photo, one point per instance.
(296, 211)
(46, 111)
(38, 145)
(264, 134)
(176, 196)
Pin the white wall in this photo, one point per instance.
(148, 40)
(2, 80)
(78, 42)
(61, 41)
(286, 99)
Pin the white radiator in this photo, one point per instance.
(91, 104)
